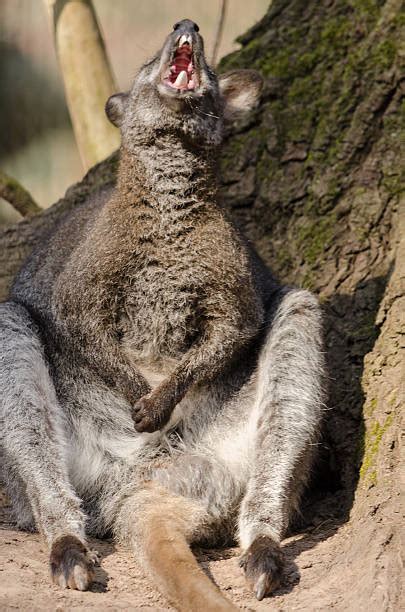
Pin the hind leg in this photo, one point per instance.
(165, 515)
(285, 423)
(17, 493)
(33, 447)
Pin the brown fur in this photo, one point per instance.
(143, 264)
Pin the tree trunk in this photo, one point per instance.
(314, 179)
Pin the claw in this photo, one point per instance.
(94, 557)
(261, 587)
(61, 581)
(80, 578)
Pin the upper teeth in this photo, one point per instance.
(181, 80)
(185, 38)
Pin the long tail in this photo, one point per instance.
(159, 527)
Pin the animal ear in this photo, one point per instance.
(115, 107)
(241, 90)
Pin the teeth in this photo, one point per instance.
(181, 80)
(185, 38)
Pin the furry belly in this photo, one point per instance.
(103, 443)
(153, 366)
(153, 376)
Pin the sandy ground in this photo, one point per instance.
(121, 584)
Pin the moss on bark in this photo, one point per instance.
(325, 145)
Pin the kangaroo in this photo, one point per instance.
(157, 381)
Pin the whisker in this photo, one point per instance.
(207, 114)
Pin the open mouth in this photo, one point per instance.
(181, 74)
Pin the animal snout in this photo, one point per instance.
(186, 26)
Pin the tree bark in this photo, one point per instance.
(315, 179)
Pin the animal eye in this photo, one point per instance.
(196, 28)
(176, 26)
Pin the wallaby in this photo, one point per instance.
(157, 382)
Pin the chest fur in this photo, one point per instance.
(159, 317)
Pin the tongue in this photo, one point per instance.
(182, 80)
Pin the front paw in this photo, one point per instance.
(263, 563)
(149, 414)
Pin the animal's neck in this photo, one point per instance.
(168, 174)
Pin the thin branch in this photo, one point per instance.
(87, 75)
(218, 34)
(17, 196)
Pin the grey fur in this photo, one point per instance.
(146, 301)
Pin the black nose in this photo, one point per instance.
(186, 25)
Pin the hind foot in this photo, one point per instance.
(72, 564)
(263, 564)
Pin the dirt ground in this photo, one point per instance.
(121, 585)
(326, 570)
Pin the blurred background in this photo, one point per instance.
(37, 144)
